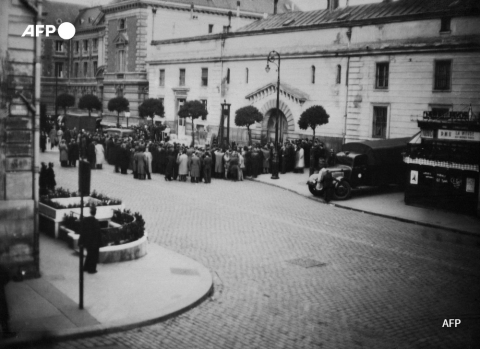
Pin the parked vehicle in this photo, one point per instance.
(119, 132)
(365, 163)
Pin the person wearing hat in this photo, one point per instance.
(299, 159)
(50, 177)
(91, 239)
(63, 149)
(195, 167)
(207, 167)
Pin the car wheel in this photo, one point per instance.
(342, 190)
(313, 190)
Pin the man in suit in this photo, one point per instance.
(91, 239)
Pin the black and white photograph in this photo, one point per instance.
(239, 174)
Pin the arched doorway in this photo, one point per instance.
(282, 126)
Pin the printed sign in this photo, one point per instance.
(427, 134)
(470, 185)
(413, 177)
(459, 135)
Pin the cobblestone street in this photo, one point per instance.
(292, 272)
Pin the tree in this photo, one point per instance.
(65, 101)
(151, 107)
(90, 102)
(118, 104)
(247, 116)
(193, 109)
(313, 117)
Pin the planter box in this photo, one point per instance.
(56, 215)
(112, 254)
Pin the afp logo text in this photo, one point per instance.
(66, 30)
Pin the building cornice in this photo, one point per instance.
(89, 30)
(132, 4)
(365, 50)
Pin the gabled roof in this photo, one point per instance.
(396, 10)
(66, 12)
(88, 18)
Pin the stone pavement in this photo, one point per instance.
(290, 272)
(388, 203)
(114, 299)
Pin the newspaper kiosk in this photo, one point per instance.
(443, 163)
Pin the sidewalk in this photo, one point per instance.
(114, 299)
(389, 204)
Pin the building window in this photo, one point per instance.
(381, 76)
(313, 74)
(85, 69)
(380, 115)
(246, 75)
(210, 28)
(122, 24)
(339, 74)
(443, 71)
(119, 92)
(77, 46)
(162, 77)
(75, 70)
(95, 44)
(228, 76)
(204, 102)
(85, 45)
(225, 28)
(162, 100)
(59, 69)
(95, 66)
(439, 110)
(204, 76)
(445, 24)
(121, 60)
(182, 77)
(59, 46)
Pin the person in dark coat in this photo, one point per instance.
(43, 141)
(50, 177)
(124, 156)
(171, 162)
(91, 239)
(328, 186)
(67, 136)
(42, 181)
(91, 155)
(4, 314)
(207, 167)
(256, 162)
(73, 153)
(162, 158)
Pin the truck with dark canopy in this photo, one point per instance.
(364, 163)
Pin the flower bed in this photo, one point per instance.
(122, 241)
(61, 202)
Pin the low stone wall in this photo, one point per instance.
(112, 254)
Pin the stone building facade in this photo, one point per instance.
(18, 168)
(375, 68)
(107, 55)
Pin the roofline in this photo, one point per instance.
(355, 52)
(344, 24)
(179, 6)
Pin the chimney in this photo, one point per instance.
(332, 5)
(191, 10)
(238, 8)
(229, 20)
(275, 3)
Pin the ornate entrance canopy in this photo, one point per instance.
(286, 92)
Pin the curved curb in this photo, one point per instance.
(102, 329)
(405, 220)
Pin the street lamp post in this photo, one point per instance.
(272, 57)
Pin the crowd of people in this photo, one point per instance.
(145, 152)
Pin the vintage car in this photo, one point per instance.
(365, 163)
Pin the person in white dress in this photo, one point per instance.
(100, 155)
